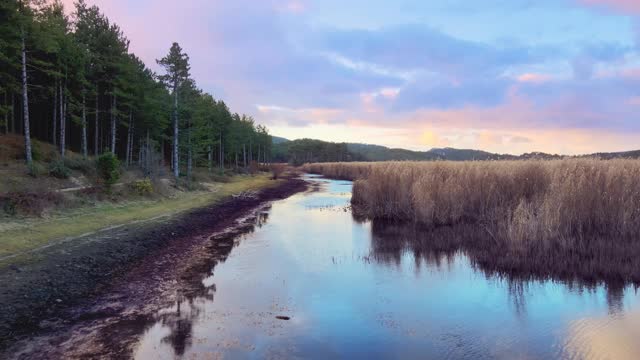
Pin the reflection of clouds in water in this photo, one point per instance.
(608, 337)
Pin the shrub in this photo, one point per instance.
(59, 170)
(108, 167)
(277, 170)
(29, 203)
(143, 187)
(36, 169)
(80, 164)
(36, 151)
(253, 167)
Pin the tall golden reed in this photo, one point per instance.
(531, 199)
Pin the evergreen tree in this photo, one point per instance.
(176, 65)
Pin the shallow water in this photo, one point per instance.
(362, 290)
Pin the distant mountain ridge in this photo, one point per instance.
(308, 150)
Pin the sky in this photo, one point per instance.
(507, 76)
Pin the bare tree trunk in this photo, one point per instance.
(176, 159)
(140, 154)
(55, 114)
(244, 155)
(96, 135)
(221, 155)
(129, 140)
(25, 104)
(210, 158)
(13, 113)
(189, 154)
(162, 154)
(63, 121)
(113, 123)
(85, 152)
(147, 156)
(6, 115)
(133, 130)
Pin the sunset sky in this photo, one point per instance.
(508, 76)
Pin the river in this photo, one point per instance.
(311, 281)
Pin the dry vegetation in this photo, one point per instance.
(518, 199)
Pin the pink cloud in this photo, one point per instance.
(628, 6)
(534, 78)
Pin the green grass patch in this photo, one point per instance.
(20, 235)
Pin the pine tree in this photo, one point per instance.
(176, 65)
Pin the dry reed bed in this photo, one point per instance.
(519, 199)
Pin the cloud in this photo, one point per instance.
(534, 78)
(299, 73)
(625, 6)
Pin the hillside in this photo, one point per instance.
(309, 150)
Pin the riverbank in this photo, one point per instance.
(41, 286)
(23, 235)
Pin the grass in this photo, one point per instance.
(20, 235)
(518, 200)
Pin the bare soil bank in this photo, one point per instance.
(56, 287)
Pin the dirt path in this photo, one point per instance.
(94, 277)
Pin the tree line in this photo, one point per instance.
(298, 152)
(72, 81)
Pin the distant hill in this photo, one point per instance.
(278, 140)
(309, 150)
(383, 153)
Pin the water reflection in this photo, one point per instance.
(597, 261)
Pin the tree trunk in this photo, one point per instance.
(129, 140)
(96, 135)
(189, 154)
(176, 159)
(244, 155)
(55, 114)
(6, 115)
(221, 155)
(63, 121)
(210, 158)
(25, 104)
(84, 127)
(162, 154)
(147, 156)
(113, 123)
(13, 113)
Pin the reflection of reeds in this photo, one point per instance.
(577, 263)
(521, 200)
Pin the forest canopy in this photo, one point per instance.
(72, 81)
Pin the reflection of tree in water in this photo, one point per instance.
(193, 293)
(580, 264)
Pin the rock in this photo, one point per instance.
(280, 317)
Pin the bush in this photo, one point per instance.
(80, 164)
(36, 151)
(253, 167)
(29, 203)
(277, 170)
(108, 167)
(36, 169)
(59, 170)
(142, 187)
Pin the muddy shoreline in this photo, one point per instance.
(125, 270)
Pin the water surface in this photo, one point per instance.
(357, 289)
